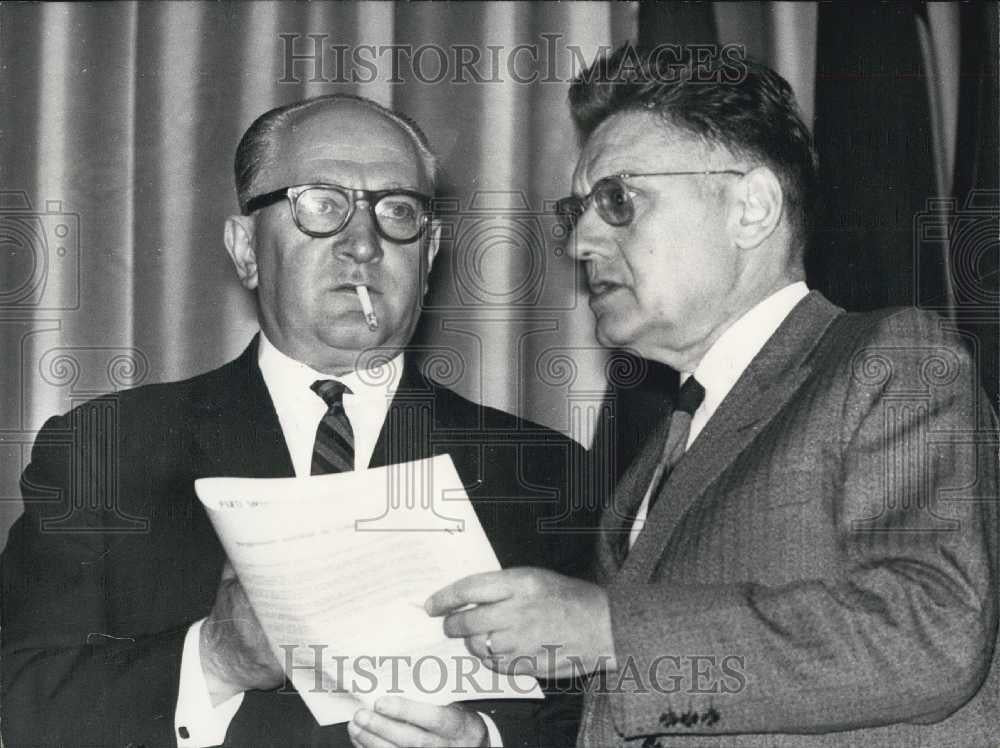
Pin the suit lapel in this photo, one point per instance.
(615, 525)
(236, 430)
(772, 378)
(411, 419)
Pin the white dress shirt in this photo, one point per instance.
(196, 722)
(724, 363)
(300, 409)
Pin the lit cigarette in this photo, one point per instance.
(366, 307)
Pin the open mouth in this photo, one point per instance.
(599, 288)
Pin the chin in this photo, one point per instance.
(611, 335)
(352, 337)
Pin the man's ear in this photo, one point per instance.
(239, 233)
(758, 201)
(433, 245)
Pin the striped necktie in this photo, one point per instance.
(333, 450)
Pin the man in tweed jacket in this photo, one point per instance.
(818, 566)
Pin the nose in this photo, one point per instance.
(360, 240)
(586, 241)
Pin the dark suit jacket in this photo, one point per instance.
(114, 557)
(823, 558)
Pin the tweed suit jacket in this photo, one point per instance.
(820, 567)
(114, 557)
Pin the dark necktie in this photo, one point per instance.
(688, 400)
(333, 450)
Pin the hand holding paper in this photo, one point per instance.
(235, 653)
(337, 567)
(539, 622)
(400, 723)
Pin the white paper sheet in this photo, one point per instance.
(337, 568)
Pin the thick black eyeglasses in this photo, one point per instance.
(322, 210)
(612, 199)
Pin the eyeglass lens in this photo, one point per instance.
(324, 210)
(613, 202)
(611, 199)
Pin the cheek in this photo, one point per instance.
(404, 274)
(293, 282)
(285, 260)
(670, 290)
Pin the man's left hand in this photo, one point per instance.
(535, 621)
(397, 722)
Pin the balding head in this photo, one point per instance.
(260, 143)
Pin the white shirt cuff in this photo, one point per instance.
(198, 724)
(492, 731)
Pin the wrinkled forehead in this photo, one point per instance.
(346, 144)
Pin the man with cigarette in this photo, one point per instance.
(805, 551)
(114, 637)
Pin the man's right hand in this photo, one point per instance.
(235, 654)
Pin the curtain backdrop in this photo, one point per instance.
(118, 123)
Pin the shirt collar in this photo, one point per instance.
(288, 379)
(731, 354)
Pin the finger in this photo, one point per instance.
(363, 738)
(476, 646)
(502, 655)
(497, 643)
(352, 730)
(479, 620)
(480, 646)
(390, 731)
(488, 587)
(438, 720)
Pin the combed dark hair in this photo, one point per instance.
(723, 99)
(255, 148)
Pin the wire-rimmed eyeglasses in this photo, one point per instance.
(612, 199)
